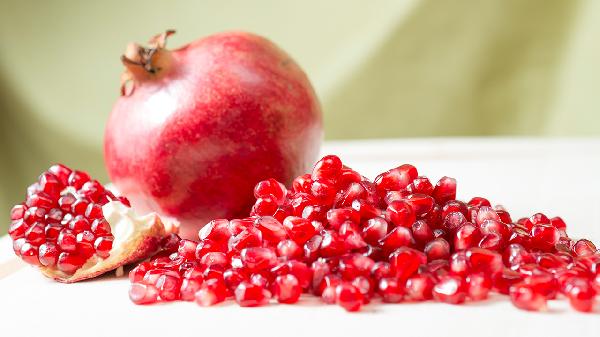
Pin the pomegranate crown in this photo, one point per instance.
(144, 63)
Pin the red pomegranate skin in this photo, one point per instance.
(226, 111)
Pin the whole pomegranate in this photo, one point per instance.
(197, 127)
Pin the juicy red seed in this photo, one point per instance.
(544, 237)
(459, 264)
(143, 294)
(400, 213)
(527, 297)
(453, 221)
(444, 190)
(78, 224)
(398, 237)
(467, 236)
(66, 202)
(78, 178)
(420, 203)
(581, 294)
(326, 168)
(67, 241)
(300, 230)
(187, 249)
(103, 245)
(29, 253)
(251, 295)
(419, 287)
(558, 223)
(348, 297)
(420, 185)
(100, 227)
(483, 260)
(289, 249)
(216, 230)
(397, 178)
(34, 214)
(61, 172)
(270, 188)
(69, 262)
(287, 289)
(437, 249)
(188, 289)
(17, 229)
(584, 247)
(79, 207)
(258, 258)
(94, 211)
(52, 231)
(375, 230)
(17, 212)
(479, 286)
(479, 202)
(450, 289)
(271, 229)
(36, 234)
(406, 261)
(264, 207)
(48, 254)
(336, 217)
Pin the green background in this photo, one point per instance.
(382, 69)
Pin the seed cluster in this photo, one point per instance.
(60, 224)
(348, 240)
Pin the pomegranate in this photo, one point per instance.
(348, 241)
(197, 127)
(73, 228)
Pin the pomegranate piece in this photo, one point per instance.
(73, 229)
(401, 213)
(207, 173)
(581, 294)
(211, 292)
(420, 287)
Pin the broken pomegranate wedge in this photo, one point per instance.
(73, 228)
(346, 239)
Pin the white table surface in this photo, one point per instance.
(555, 176)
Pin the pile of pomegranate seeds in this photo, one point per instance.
(61, 225)
(348, 240)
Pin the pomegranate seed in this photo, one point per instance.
(396, 179)
(453, 221)
(467, 236)
(48, 254)
(450, 289)
(584, 247)
(300, 230)
(331, 245)
(459, 263)
(478, 286)
(398, 237)
(420, 185)
(250, 237)
(258, 258)
(483, 260)
(406, 261)
(516, 255)
(251, 295)
(168, 287)
(211, 292)
(270, 188)
(287, 289)
(375, 230)
(420, 287)
(400, 213)
(143, 294)
(29, 253)
(525, 296)
(326, 168)
(336, 217)
(348, 297)
(272, 230)
(558, 223)
(479, 202)
(437, 249)
(289, 249)
(69, 262)
(581, 294)
(390, 290)
(444, 190)
(502, 281)
(18, 212)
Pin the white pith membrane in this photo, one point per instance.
(135, 238)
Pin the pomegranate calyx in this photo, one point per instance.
(144, 63)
